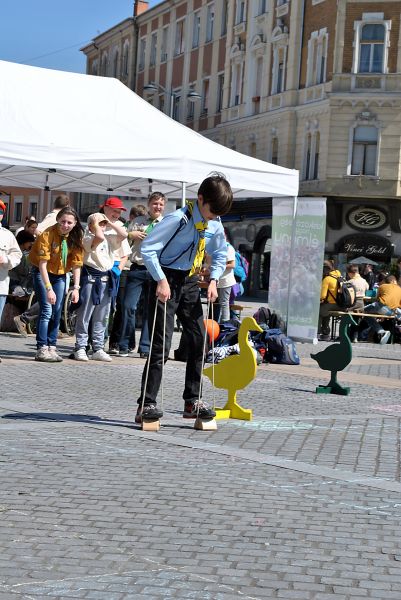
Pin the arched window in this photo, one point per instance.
(104, 63)
(142, 54)
(125, 59)
(308, 156)
(311, 156)
(240, 11)
(371, 44)
(371, 52)
(280, 44)
(317, 58)
(116, 63)
(274, 151)
(95, 67)
(317, 154)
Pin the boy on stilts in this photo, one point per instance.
(173, 254)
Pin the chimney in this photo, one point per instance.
(140, 6)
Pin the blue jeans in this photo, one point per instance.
(93, 316)
(3, 299)
(137, 281)
(49, 317)
(379, 309)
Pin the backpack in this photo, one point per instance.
(262, 316)
(268, 319)
(241, 268)
(345, 292)
(281, 350)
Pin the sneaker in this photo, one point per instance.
(323, 337)
(150, 411)
(80, 354)
(123, 353)
(20, 325)
(384, 336)
(131, 350)
(101, 355)
(198, 408)
(143, 355)
(43, 355)
(113, 349)
(53, 353)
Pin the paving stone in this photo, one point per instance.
(92, 508)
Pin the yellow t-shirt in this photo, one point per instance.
(390, 295)
(47, 246)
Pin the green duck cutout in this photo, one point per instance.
(235, 372)
(335, 358)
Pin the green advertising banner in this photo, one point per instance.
(298, 240)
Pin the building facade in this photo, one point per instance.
(306, 84)
(23, 203)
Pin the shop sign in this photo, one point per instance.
(371, 246)
(366, 219)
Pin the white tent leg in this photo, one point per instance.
(183, 194)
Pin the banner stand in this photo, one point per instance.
(298, 244)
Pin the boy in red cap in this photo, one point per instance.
(10, 257)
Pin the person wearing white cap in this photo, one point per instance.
(97, 289)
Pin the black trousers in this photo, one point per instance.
(185, 302)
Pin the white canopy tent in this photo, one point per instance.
(80, 133)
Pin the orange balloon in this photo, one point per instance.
(212, 328)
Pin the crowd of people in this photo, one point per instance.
(374, 294)
(112, 263)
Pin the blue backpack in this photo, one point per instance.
(241, 268)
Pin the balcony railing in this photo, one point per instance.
(366, 82)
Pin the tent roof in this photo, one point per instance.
(82, 133)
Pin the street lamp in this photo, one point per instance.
(153, 88)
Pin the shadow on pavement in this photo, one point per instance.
(65, 417)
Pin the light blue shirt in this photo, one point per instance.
(173, 244)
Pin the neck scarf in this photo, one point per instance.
(200, 227)
(150, 226)
(64, 252)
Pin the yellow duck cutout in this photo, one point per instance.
(235, 372)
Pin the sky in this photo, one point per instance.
(49, 33)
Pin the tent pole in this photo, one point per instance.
(183, 193)
(293, 228)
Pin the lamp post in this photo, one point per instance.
(152, 88)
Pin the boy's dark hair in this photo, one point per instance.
(23, 237)
(217, 193)
(156, 196)
(139, 210)
(390, 279)
(352, 269)
(61, 201)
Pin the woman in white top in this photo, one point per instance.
(361, 286)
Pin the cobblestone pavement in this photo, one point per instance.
(303, 502)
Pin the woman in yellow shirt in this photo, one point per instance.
(54, 253)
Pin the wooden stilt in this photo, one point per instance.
(150, 425)
(205, 424)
